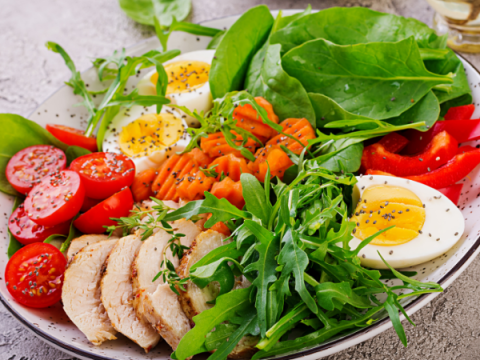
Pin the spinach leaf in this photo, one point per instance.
(235, 51)
(285, 93)
(19, 133)
(226, 306)
(357, 25)
(213, 44)
(14, 245)
(143, 11)
(74, 152)
(364, 78)
(72, 233)
(347, 159)
(255, 199)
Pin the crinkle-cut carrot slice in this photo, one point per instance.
(216, 145)
(193, 186)
(231, 166)
(299, 128)
(230, 190)
(201, 158)
(142, 184)
(273, 157)
(190, 167)
(248, 119)
(175, 167)
(220, 227)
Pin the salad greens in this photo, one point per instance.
(13, 244)
(236, 50)
(145, 11)
(301, 268)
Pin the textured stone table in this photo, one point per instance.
(448, 328)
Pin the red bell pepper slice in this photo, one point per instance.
(441, 149)
(452, 192)
(462, 130)
(464, 112)
(394, 142)
(453, 171)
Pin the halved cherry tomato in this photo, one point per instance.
(116, 206)
(88, 203)
(56, 199)
(104, 173)
(34, 275)
(27, 232)
(72, 136)
(29, 166)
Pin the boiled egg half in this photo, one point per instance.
(427, 223)
(187, 82)
(146, 137)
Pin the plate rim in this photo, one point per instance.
(467, 258)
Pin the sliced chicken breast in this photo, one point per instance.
(81, 292)
(79, 243)
(194, 300)
(156, 304)
(117, 294)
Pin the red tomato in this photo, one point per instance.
(116, 206)
(88, 203)
(56, 199)
(27, 232)
(72, 136)
(103, 173)
(30, 165)
(34, 275)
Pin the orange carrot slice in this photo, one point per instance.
(201, 158)
(220, 227)
(230, 190)
(142, 184)
(248, 119)
(215, 145)
(273, 157)
(193, 186)
(231, 166)
(299, 128)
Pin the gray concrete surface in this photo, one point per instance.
(449, 328)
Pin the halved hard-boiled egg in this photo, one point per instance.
(146, 137)
(187, 82)
(427, 224)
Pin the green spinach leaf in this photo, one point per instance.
(376, 80)
(235, 51)
(143, 11)
(14, 245)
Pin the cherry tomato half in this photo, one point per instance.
(88, 203)
(34, 275)
(72, 136)
(56, 199)
(30, 165)
(27, 232)
(104, 173)
(116, 206)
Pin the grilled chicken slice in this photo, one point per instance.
(154, 303)
(194, 300)
(79, 243)
(81, 292)
(117, 294)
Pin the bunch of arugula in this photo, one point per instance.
(292, 242)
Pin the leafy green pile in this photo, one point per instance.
(307, 285)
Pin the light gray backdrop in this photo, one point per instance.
(447, 329)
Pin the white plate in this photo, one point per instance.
(53, 326)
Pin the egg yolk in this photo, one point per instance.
(383, 206)
(150, 133)
(184, 76)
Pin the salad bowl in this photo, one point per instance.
(52, 324)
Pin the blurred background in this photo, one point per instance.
(448, 328)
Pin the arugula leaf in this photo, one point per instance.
(371, 82)
(221, 335)
(14, 245)
(143, 11)
(17, 134)
(267, 248)
(229, 250)
(243, 39)
(221, 210)
(226, 306)
(134, 99)
(218, 271)
(392, 310)
(103, 64)
(255, 199)
(332, 296)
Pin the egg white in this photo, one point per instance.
(125, 117)
(199, 99)
(444, 226)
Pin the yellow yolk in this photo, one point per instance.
(383, 206)
(184, 76)
(150, 133)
